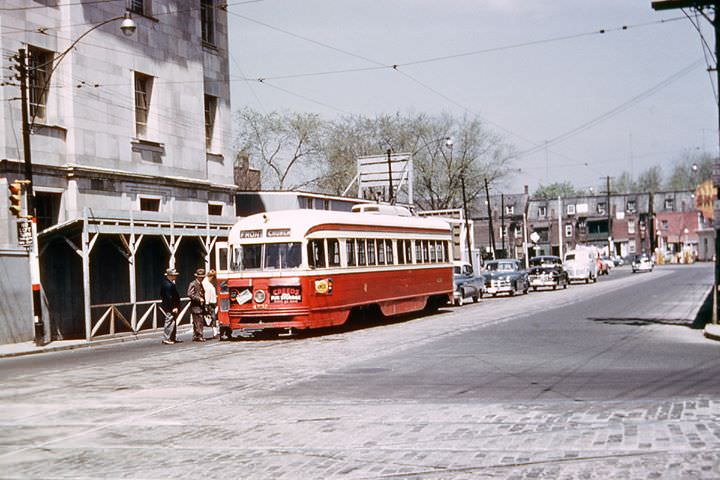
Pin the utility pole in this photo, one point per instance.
(40, 329)
(490, 219)
(467, 221)
(502, 223)
(609, 219)
(715, 21)
(391, 194)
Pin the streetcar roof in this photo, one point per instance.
(287, 225)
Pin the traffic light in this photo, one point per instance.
(16, 189)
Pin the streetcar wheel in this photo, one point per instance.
(476, 299)
(534, 289)
(554, 287)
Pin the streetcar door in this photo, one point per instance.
(222, 257)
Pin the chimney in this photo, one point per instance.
(526, 190)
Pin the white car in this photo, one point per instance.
(642, 263)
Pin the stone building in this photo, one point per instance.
(131, 151)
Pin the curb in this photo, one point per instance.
(49, 348)
(712, 331)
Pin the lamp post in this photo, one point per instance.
(128, 27)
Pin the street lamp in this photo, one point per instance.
(128, 28)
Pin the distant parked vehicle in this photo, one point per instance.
(506, 276)
(581, 264)
(547, 271)
(618, 261)
(642, 263)
(467, 284)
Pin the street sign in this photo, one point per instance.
(24, 233)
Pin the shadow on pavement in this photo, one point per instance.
(703, 317)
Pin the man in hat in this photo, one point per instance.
(170, 304)
(196, 292)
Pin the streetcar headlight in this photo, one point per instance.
(259, 296)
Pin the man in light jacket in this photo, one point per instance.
(196, 292)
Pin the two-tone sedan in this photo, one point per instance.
(547, 272)
(505, 276)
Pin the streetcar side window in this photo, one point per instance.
(381, 252)
(389, 252)
(350, 250)
(418, 252)
(362, 259)
(333, 246)
(446, 250)
(431, 251)
(316, 253)
(408, 251)
(426, 256)
(371, 252)
(400, 252)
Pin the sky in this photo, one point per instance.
(576, 104)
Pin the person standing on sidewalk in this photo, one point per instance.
(170, 304)
(211, 301)
(196, 292)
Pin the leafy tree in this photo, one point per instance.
(555, 190)
(283, 146)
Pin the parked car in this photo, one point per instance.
(618, 261)
(581, 264)
(505, 276)
(642, 263)
(467, 284)
(547, 271)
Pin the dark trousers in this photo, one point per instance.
(198, 320)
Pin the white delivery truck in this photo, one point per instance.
(581, 264)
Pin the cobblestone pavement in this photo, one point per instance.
(217, 410)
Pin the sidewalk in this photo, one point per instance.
(27, 348)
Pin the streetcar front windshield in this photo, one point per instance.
(267, 256)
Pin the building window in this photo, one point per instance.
(632, 206)
(143, 94)
(631, 227)
(215, 209)
(568, 231)
(542, 211)
(141, 7)
(149, 204)
(669, 204)
(207, 20)
(601, 208)
(47, 207)
(571, 209)
(210, 113)
(509, 209)
(39, 68)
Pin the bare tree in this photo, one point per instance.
(474, 154)
(280, 145)
(650, 180)
(690, 171)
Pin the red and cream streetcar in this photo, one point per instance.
(302, 269)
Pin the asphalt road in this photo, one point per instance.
(596, 381)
